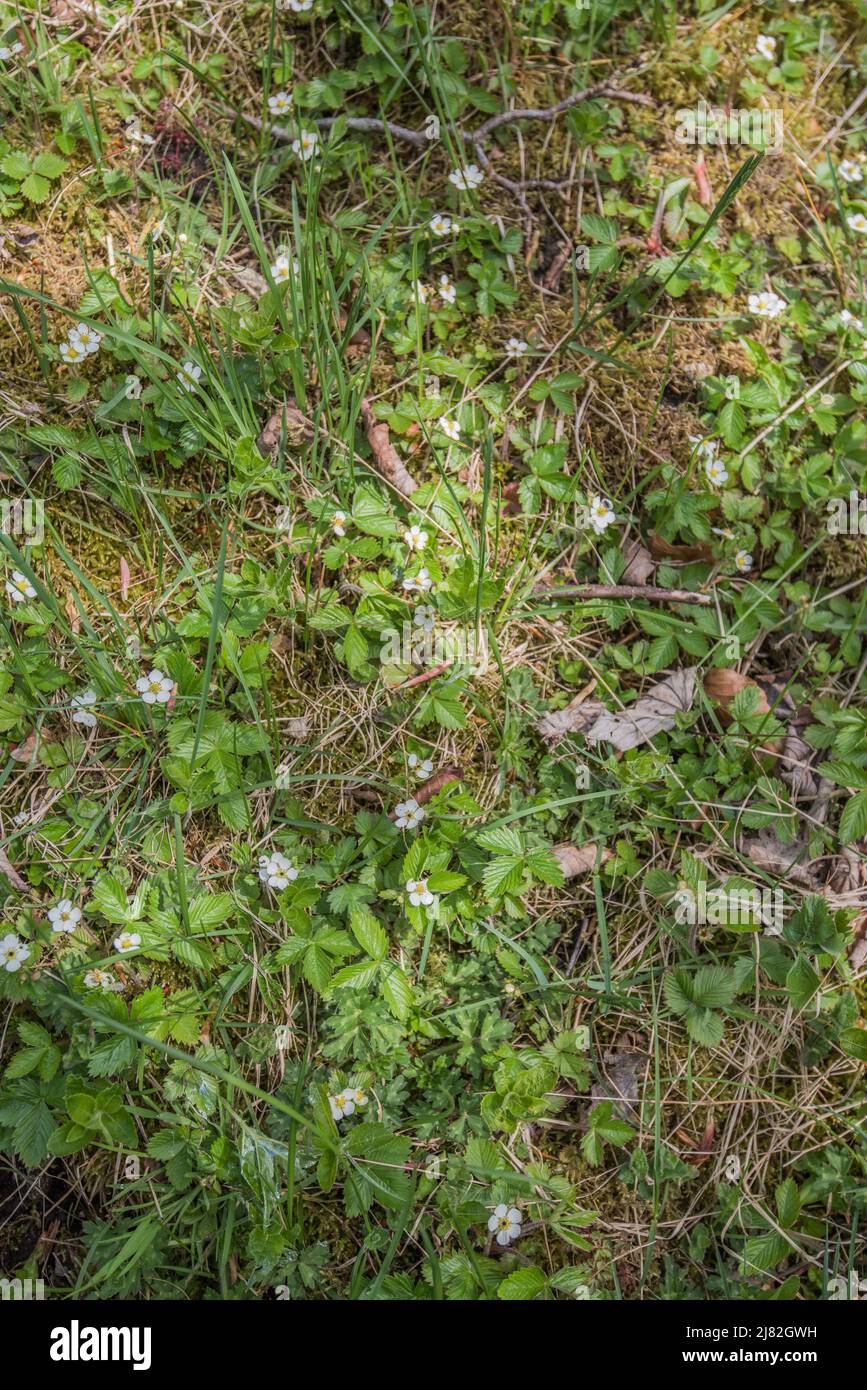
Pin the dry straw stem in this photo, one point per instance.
(615, 591)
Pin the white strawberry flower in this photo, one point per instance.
(440, 225)
(743, 561)
(850, 321)
(299, 6)
(419, 583)
(516, 347)
(447, 291)
(506, 1222)
(858, 222)
(420, 292)
(280, 103)
(281, 270)
(10, 50)
(338, 523)
(64, 917)
(356, 1095)
(72, 352)
(601, 514)
(716, 472)
(465, 179)
(424, 616)
(155, 688)
(305, 145)
(766, 46)
(415, 538)
(85, 337)
(276, 870)
(408, 814)
(449, 427)
(127, 941)
(418, 892)
(104, 980)
(19, 587)
(189, 376)
(12, 952)
(725, 532)
(767, 304)
(342, 1104)
(850, 171)
(81, 705)
(422, 767)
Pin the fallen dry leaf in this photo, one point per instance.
(768, 852)
(573, 860)
(12, 873)
(721, 685)
(664, 550)
(794, 765)
(578, 715)
(25, 750)
(435, 784)
(388, 461)
(287, 423)
(639, 563)
(654, 713)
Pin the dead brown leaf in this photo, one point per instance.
(288, 424)
(573, 860)
(388, 461)
(721, 685)
(578, 715)
(654, 713)
(12, 873)
(664, 550)
(639, 563)
(768, 852)
(435, 784)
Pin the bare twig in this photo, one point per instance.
(613, 591)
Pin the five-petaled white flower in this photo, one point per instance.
(342, 1104)
(418, 583)
(281, 269)
(72, 352)
(449, 427)
(418, 892)
(132, 387)
(440, 225)
(420, 292)
(276, 870)
(506, 1221)
(64, 917)
(743, 561)
(305, 145)
(299, 6)
(717, 472)
(766, 46)
(19, 587)
(850, 171)
(102, 979)
(858, 222)
(356, 1095)
(424, 616)
(155, 688)
(189, 376)
(338, 523)
(127, 941)
(80, 704)
(601, 514)
(415, 538)
(408, 814)
(9, 50)
(707, 448)
(767, 304)
(850, 321)
(422, 767)
(280, 102)
(447, 291)
(85, 337)
(725, 532)
(516, 347)
(467, 178)
(12, 952)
